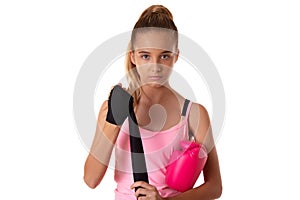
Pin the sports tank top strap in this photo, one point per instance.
(185, 108)
(185, 112)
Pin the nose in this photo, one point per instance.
(156, 67)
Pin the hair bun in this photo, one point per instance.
(156, 16)
(160, 9)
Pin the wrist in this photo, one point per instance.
(111, 131)
(120, 103)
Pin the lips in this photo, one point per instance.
(154, 77)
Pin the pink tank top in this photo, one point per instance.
(158, 147)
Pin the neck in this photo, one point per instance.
(152, 94)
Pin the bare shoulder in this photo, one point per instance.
(104, 106)
(198, 113)
(103, 111)
(199, 122)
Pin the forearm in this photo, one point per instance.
(206, 191)
(212, 187)
(104, 142)
(100, 153)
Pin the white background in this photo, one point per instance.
(255, 46)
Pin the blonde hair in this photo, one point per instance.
(155, 16)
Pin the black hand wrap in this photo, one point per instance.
(119, 103)
(138, 161)
(120, 106)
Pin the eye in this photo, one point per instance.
(145, 56)
(165, 56)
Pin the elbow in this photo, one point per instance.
(218, 191)
(91, 182)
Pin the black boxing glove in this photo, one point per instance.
(119, 104)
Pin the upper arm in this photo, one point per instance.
(199, 123)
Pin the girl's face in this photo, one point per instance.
(154, 55)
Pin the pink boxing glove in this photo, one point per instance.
(185, 166)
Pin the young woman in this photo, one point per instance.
(153, 51)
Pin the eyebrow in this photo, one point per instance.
(141, 52)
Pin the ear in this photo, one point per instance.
(177, 55)
(132, 58)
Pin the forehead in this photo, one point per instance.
(153, 39)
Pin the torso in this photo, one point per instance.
(158, 147)
(160, 116)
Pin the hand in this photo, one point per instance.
(147, 191)
(119, 104)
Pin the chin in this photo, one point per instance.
(157, 85)
(154, 84)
